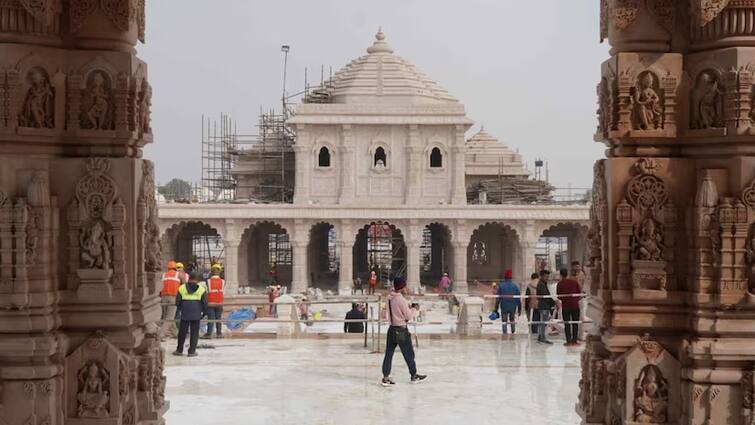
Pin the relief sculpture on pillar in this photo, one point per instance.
(98, 103)
(707, 102)
(647, 219)
(647, 106)
(651, 396)
(93, 395)
(96, 220)
(38, 110)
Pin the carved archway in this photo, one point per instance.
(265, 255)
(493, 247)
(322, 256)
(379, 246)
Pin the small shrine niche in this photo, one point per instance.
(97, 102)
(707, 101)
(651, 381)
(647, 103)
(38, 109)
(646, 219)
(98, 382)
(96, 220)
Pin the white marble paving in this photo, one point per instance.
(335, 381)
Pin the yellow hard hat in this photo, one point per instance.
(179, 265)
(217, 267)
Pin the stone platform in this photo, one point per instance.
(336, 381)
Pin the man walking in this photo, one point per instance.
(356, 313)
(568, 290)
(507, 298)
(530, 305)
(215, 288)
(171, 282)
(545, 304)
(191, 302)
(399, 315)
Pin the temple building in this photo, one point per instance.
(384, 179)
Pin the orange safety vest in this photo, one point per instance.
(171, 282)
(215, 290)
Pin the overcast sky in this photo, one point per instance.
(527, 70)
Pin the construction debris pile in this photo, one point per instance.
(510, 191)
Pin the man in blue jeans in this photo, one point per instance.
(508, 301)
(545, 304)
(399, 314)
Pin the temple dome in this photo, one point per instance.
(487, 156)
(382, 77)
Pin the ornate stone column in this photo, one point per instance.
(414, 165)
(346, 262)
(348, 172)
(413, 242)
(302, 155)
(671, 242)
(459, 191)
(300, 267)
(527, 244)
(460, 243)
(79, 241)
(231, 241)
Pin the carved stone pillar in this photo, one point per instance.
(414, 166)
(80, 249)
(459, 190)
(300, 266)
(348, 172)
(231, 267)
(346, 258)
(302, 155)
(459, 245)
(413, 242)
(672, 236)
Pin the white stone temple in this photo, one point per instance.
(382, 170)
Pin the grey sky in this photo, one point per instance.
(527, 70)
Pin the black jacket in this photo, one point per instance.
(192, 309)
(354, 327)
(545, 303)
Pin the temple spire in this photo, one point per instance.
(380, 45)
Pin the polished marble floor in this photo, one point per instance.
(336, 381)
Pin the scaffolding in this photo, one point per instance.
(252, 167)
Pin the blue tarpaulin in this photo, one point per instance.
(236, 318)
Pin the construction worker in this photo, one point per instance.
(215, 287)
(191, 301)
(171, 282)
(372, 281)
(182, 273)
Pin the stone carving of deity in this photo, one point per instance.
(153, 253)
(93, 396)
(95, 250)
(144, 104)
(650, 396)
(706, 102)
(39, 105)
(98, 113)
(646, 104)
(649, 241)
(479, 253)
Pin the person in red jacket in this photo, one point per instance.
(215, 288)
(568, 290)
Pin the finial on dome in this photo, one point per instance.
(380, 45)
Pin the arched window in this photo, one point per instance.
(323, 158)
(436, 158)
(380, 160)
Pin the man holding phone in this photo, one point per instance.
(399, 314)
